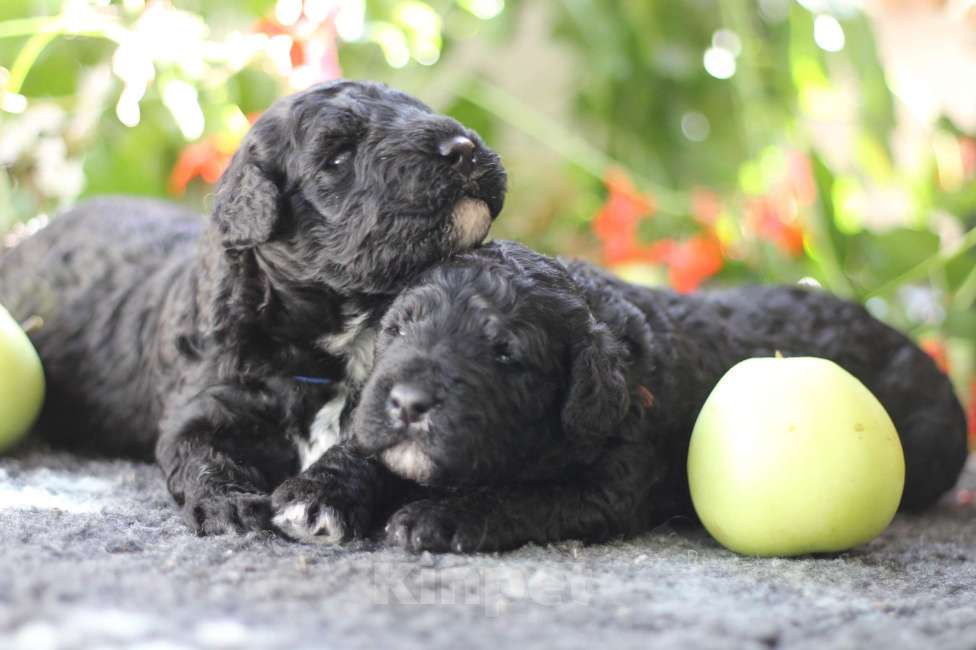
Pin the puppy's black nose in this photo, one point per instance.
(408, 402)
(459, 151)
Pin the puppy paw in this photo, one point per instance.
(228, 513)
(309, 510)
(436, 526)
(310, 522)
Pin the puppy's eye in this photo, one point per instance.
(503, 355)
(341, 158)
(394, 330)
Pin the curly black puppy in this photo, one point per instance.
(226, 348)
(540, 401)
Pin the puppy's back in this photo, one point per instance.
(98, 243)
(97, 277)
(708, 332)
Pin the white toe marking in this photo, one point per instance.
(328, 527)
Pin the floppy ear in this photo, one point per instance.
(246, 202)
(598, 396)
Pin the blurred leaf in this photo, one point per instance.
(253, 90)
(961, 324)
(877, 110)
(843, 196)
(10, 9)
(57, 70)
(133, 160)
(829, 246)
(959, 270)
(873, 155)
(880, 257)
(473, 116)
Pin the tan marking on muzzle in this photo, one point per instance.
(407, 460)
(471, 220)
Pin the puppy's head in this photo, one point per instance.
(491, 369)
(357, 186)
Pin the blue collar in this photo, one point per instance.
(320, 381)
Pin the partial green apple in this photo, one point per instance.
(21, 382)
(641, 273)
(792, 456)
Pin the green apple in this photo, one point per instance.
(646, 275)
(21, 382)
(794, 456)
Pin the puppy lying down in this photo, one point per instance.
(518, 399)
(226, 347)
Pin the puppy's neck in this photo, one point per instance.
(265, 310)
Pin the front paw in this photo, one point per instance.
(236, 512)
(321, 511)
(432, 525)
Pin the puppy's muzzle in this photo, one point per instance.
(408, 404)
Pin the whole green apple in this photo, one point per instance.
(794, 456)
(21, 382)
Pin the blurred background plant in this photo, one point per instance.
(827, 142)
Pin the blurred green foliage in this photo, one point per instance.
(681, 142)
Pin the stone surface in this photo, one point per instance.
(94, 555)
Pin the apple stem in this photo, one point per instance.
(32, 324)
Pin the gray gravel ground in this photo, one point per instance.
(94, 556)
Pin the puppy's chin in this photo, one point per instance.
(470, 221)
(408, 460)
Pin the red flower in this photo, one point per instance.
(615, 225)
(775, 216)
(314, 46)
(328, 63)
(693, 261)
(799, 178)
(269, 26)
(706, 206)
(689, 262)
(204, 159)
(936, 348)
(967, 151)
(767, 219)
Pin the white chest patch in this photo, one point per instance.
(324, 431)
(356, 344)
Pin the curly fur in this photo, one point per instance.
(165, 334)
(559, 401)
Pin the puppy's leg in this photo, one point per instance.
(612, 501)
(222, 451)
(338, 498)
(504, 518)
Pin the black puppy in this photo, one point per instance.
(539, 401)
(217, 345)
